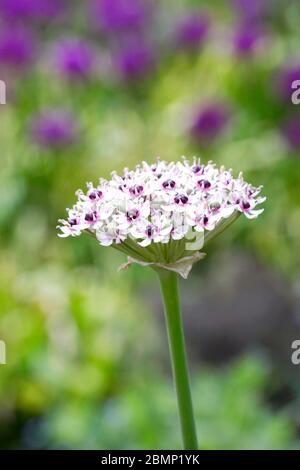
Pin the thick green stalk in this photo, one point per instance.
(170, 294)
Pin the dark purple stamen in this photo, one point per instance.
(136, 190)
(184, 199)
(149, 231)
(205, 184)
(169, 184)
(181, 198)
(205, 220)
(72, 222)
(197, 168)
(89, 217)
(246, 205)
(132, 214)
(95, 195)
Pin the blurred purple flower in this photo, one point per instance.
(17, 47)
(251, 10)
(134, 61)
(291, 133)
(286, 77)
(53, 128)
(49, 9)
(119, 15)
(246, 40)
(31, 9)
(74, 58)
(193, 30)
(17, 9)
(209, 122)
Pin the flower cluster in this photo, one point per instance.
(160, 207)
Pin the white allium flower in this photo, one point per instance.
(155, 212)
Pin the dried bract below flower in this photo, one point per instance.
(162, 214)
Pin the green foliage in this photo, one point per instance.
(229, 405)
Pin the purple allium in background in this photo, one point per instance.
(74, 58)
(53, 128)
(209, 122)
(119, 15)
(291, 133)
(193, 30)
(17, 9)
(31, 9)
(49, 9)
(17, 47)
(286, 77)
(251, 10)
(134, 61)
(246, 40)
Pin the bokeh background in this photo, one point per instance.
(93, 86)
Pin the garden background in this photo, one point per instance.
(93, 86)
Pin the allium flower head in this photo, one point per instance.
(31, 9)
(119, 15)
(74, 58)
(134, 61)
(53, 128)
(252, 10)
(246, 40)
(17, 9)
(209, 122)
(16, 47)
(193, 30)
(162, 214)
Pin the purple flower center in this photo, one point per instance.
(95, 195)
(91, 217)
(169, 184)
(149, 231)
(136, 190)
(197, 168)
(132, 214)
(181, 198)
(245, 205)
(204, 184)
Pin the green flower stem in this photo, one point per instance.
(170, 294)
